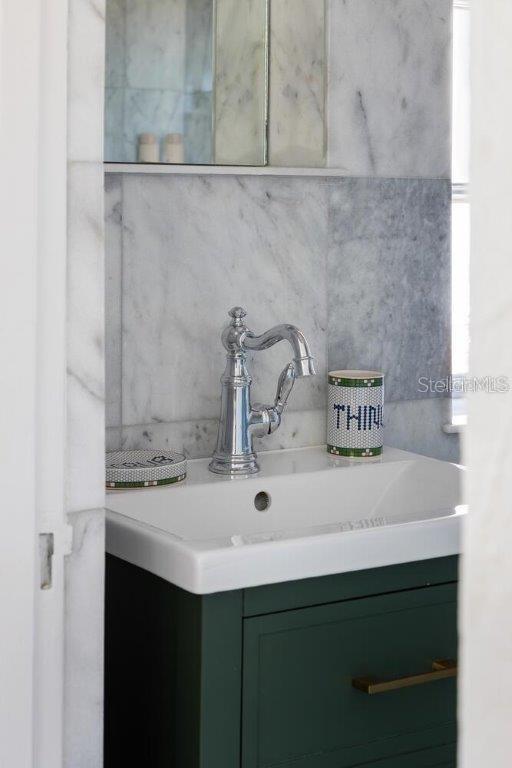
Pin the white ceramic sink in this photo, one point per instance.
(326, 515)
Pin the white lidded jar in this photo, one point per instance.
(147, 148)
(173, 151)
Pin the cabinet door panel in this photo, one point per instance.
(299, 704)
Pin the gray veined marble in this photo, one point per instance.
(296, 133)
(389, 280)
(240, 82)
(389, 87)
(197, 438)
(155, 43)
(86, 78)
(85, 469)
(362, 265)
(416, 425)
(192, 248)
(113, 288)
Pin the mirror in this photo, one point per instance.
(224, 82)
(185, 81)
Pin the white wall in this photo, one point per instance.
(486, 612)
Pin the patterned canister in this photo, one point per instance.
(144, 468)
(354, 413)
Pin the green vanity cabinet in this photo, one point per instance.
(264, 677)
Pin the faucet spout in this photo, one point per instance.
(303, 361)
(239, 420)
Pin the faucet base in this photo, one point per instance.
(235, 466)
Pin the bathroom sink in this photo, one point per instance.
(305, 514)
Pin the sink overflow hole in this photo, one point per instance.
(262, 501)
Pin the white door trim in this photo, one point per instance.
(33, 66)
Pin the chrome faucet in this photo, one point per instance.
(239, 420)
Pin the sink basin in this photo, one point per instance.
(306, 514)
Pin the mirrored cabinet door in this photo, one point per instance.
(186, 81)
(240, 93)
(224, 82)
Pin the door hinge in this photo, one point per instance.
(45, 560)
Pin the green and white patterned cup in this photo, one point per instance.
(354, 413)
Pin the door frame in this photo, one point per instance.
(33, 75)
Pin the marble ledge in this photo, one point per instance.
(240, 170)
(197, 439)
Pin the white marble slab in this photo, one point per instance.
(113, 305)
(192, 250)
(84, 639)
(296, 135)
(264, 241)
(389, 87)
(86, 64)
(85, 467)
(197, 438)
(240, 82)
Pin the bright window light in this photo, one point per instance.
(460, 196)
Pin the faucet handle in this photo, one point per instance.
(237, 313)
(284, 387)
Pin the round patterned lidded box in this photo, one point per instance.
(354, 413)
(144, 468)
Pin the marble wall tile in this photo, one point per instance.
(85, 468)
(412, 425)
(155, 44)
(83, 641)
(197, 438)
(389, 87)
(389, 280)
(416, 425)
(192, 248)
(85, 396)
(86, 65)
(113, 308)
(240, 88)
(296, 135)
(113, 437)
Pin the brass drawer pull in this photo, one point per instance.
(441, 670)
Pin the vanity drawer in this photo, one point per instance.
(300, 706)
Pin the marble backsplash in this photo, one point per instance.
(361, 265)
